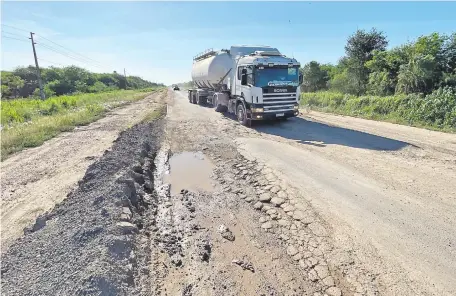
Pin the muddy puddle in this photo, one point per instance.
(189, 170)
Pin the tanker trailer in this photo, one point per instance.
(252, 82)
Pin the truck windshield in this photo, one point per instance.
(277, 77)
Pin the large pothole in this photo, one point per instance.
(189, 170)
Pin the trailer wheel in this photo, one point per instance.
(200, 100)
(242, 115)
(194, 98)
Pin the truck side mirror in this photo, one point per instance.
(244, 77)
(301, 78)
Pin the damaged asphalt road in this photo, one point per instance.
(195, 204)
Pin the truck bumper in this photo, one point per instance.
(270, 115)
(274, 115)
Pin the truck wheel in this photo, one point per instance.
(218, 107)
(241, 115)
(200, 100)
(194, 98)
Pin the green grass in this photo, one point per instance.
(154, 114)
(158, 112)
(29, 123)
(436, 111)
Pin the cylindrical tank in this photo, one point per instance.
(207, 73)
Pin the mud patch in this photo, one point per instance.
(189, 170)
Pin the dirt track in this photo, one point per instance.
(319, 204)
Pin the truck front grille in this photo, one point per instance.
(273, 102)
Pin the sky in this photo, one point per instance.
(157, 40)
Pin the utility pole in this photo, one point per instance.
(40, 83)
(125, 75)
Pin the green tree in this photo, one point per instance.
(360, 48)
(314, 78)
(97, 87)
(11, 85)
(418, 76)
(47, 92)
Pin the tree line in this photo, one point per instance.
(23, 82)
(368, 67)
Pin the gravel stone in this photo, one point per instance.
(258, 205)
(271, 212)
(226, 233)
(297, 257)
(271, 177)
(284, 223)
(322, 271)
(328, 281)
(334, 291)
(274, 189)
(313, 275)
(266, 207)
(312, 261)
(303, 264)
(266, 225)
(291, 250)
(127, 227)
(277, 201)
(282, 194)
(265, 197)
(298, 215)
(263, 219)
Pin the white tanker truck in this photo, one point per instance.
(253, 82)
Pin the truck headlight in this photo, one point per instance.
(296, 107)
(257, 110)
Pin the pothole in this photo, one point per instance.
(189, 170)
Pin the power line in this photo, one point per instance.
(15, 28)
(15, 38)
(76, 56)
(40, 59)
(67, 55)
(73, 55)
(14, 34)
(70, 50)
(80, 56)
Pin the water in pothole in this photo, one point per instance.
(189, 170)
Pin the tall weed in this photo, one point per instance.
(436, 110)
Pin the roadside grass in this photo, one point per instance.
(158, 112)
(154, 114)
(436, 111)
(29, 123)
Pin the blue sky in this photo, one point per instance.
(157, 40)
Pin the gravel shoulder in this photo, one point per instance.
(36, 179)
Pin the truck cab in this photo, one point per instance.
(266, 83)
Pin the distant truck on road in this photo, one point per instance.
(175, 87)
(253, 82)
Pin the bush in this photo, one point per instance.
(437, 110)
